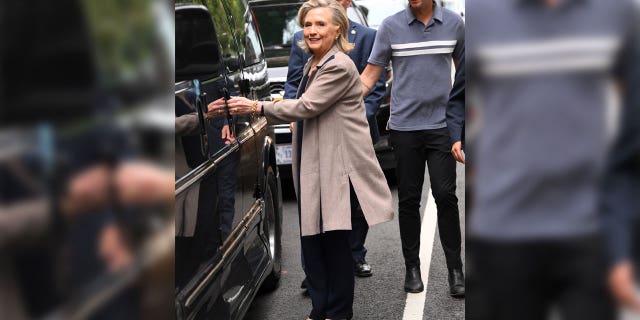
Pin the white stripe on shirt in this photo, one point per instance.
(557, 46)
(501, 68)
(424, 44)
(421, 52)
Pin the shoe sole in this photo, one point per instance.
(457, 295)
(364, 275)
(413, 291)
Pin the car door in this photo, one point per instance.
(217, 264)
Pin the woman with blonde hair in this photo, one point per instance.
(332, 154)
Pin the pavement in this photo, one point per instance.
(380, 296)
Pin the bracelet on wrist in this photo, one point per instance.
(254, 107)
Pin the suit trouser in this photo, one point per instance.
(329, 270)
(359, 229)
(412, 149)
(526, 279)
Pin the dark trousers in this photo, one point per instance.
(329, 270)
(359, 229)
(412, 149)
(524, 280)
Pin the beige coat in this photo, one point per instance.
(336, 148)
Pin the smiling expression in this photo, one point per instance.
(319, 31)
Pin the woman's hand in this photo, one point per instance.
(237, 105)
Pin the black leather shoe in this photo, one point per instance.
(362, 269)
(413, 280)
(456, 283)
(303, 285)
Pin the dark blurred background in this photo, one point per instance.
(86, 159)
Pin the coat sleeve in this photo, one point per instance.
(329, 85)
(455, 108)
(621, 181)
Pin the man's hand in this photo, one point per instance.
(227, 135)
(456, 150)
(621, 283)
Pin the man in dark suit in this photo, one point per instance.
(620, 189)
(456, 114)
(363, 38)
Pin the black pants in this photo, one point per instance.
(329, 271)
(525, 280)
(359, 229)
(412, 149)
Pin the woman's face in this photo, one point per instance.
(319, 31)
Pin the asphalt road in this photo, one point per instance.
(378, 297)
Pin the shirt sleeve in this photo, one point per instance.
(381, 52)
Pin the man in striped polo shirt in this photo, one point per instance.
(421, 41)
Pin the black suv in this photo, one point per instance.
(227, 192)
(277, 21)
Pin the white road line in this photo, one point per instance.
(414, 306)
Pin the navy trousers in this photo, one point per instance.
(359, 229)
(329, 270)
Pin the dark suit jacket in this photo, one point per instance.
(621, 182)
(363, 38)
(455, 108)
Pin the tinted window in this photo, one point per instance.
(197, 51)
(236, 17)
(277, 26)
(253, 50)
(224, 34)
(377, 10)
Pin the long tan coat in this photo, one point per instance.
(336, 148)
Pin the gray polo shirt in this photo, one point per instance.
(541, 76)
(421, 56)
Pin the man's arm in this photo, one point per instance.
(373, 100)
(621, 183)
(296, 66)
(455, 113)
(369, 77)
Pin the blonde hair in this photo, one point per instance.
(338, 17)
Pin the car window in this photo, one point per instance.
(356, 15)
(197, 51)
(224, 33)
(277, 26)
(377, 11)
(253, 50)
